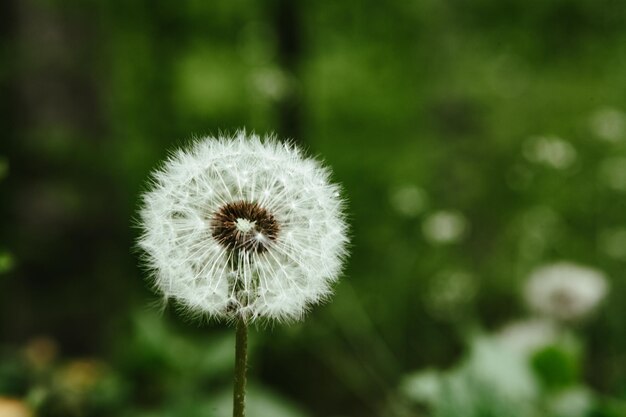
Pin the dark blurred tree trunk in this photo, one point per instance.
(288, 24)
(8, 115)
(60, 207)
(7, 93)
(7, 64)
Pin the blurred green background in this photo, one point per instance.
(474, 141)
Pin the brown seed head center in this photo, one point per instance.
(244, 225)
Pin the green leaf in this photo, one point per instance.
(556, 367)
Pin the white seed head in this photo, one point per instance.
(243, 227)
(565, 291)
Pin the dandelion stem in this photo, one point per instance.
(241, 357)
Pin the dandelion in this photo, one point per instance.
(565, 291)
(527, 336)
(243, 228)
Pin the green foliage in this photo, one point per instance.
(6, 262)
(557, 367)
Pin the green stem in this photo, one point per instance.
(241, 357)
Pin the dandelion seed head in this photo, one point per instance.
(565, 291)
(243, 226)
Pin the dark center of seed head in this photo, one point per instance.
(243, 225)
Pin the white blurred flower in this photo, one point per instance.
(408, 200)
(551, 151)
(491, 381)
(501, 372)
(527, 336)
(613, 243)
(608, 123)
(272, 83)
(422, 386)
(243, 227)
(572, 402)
(444, 227)
(613, 173)
(564, 290)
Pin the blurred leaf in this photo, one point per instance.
(557, 367)
(6, 262)
(260, 401)
(610, 407)
(14, 378)
(155, 342)
(575, 401)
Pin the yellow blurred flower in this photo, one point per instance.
(40, 352)
(80, 376)
(13, 407)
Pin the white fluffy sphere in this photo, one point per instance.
(243, 227)
(565, 291)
